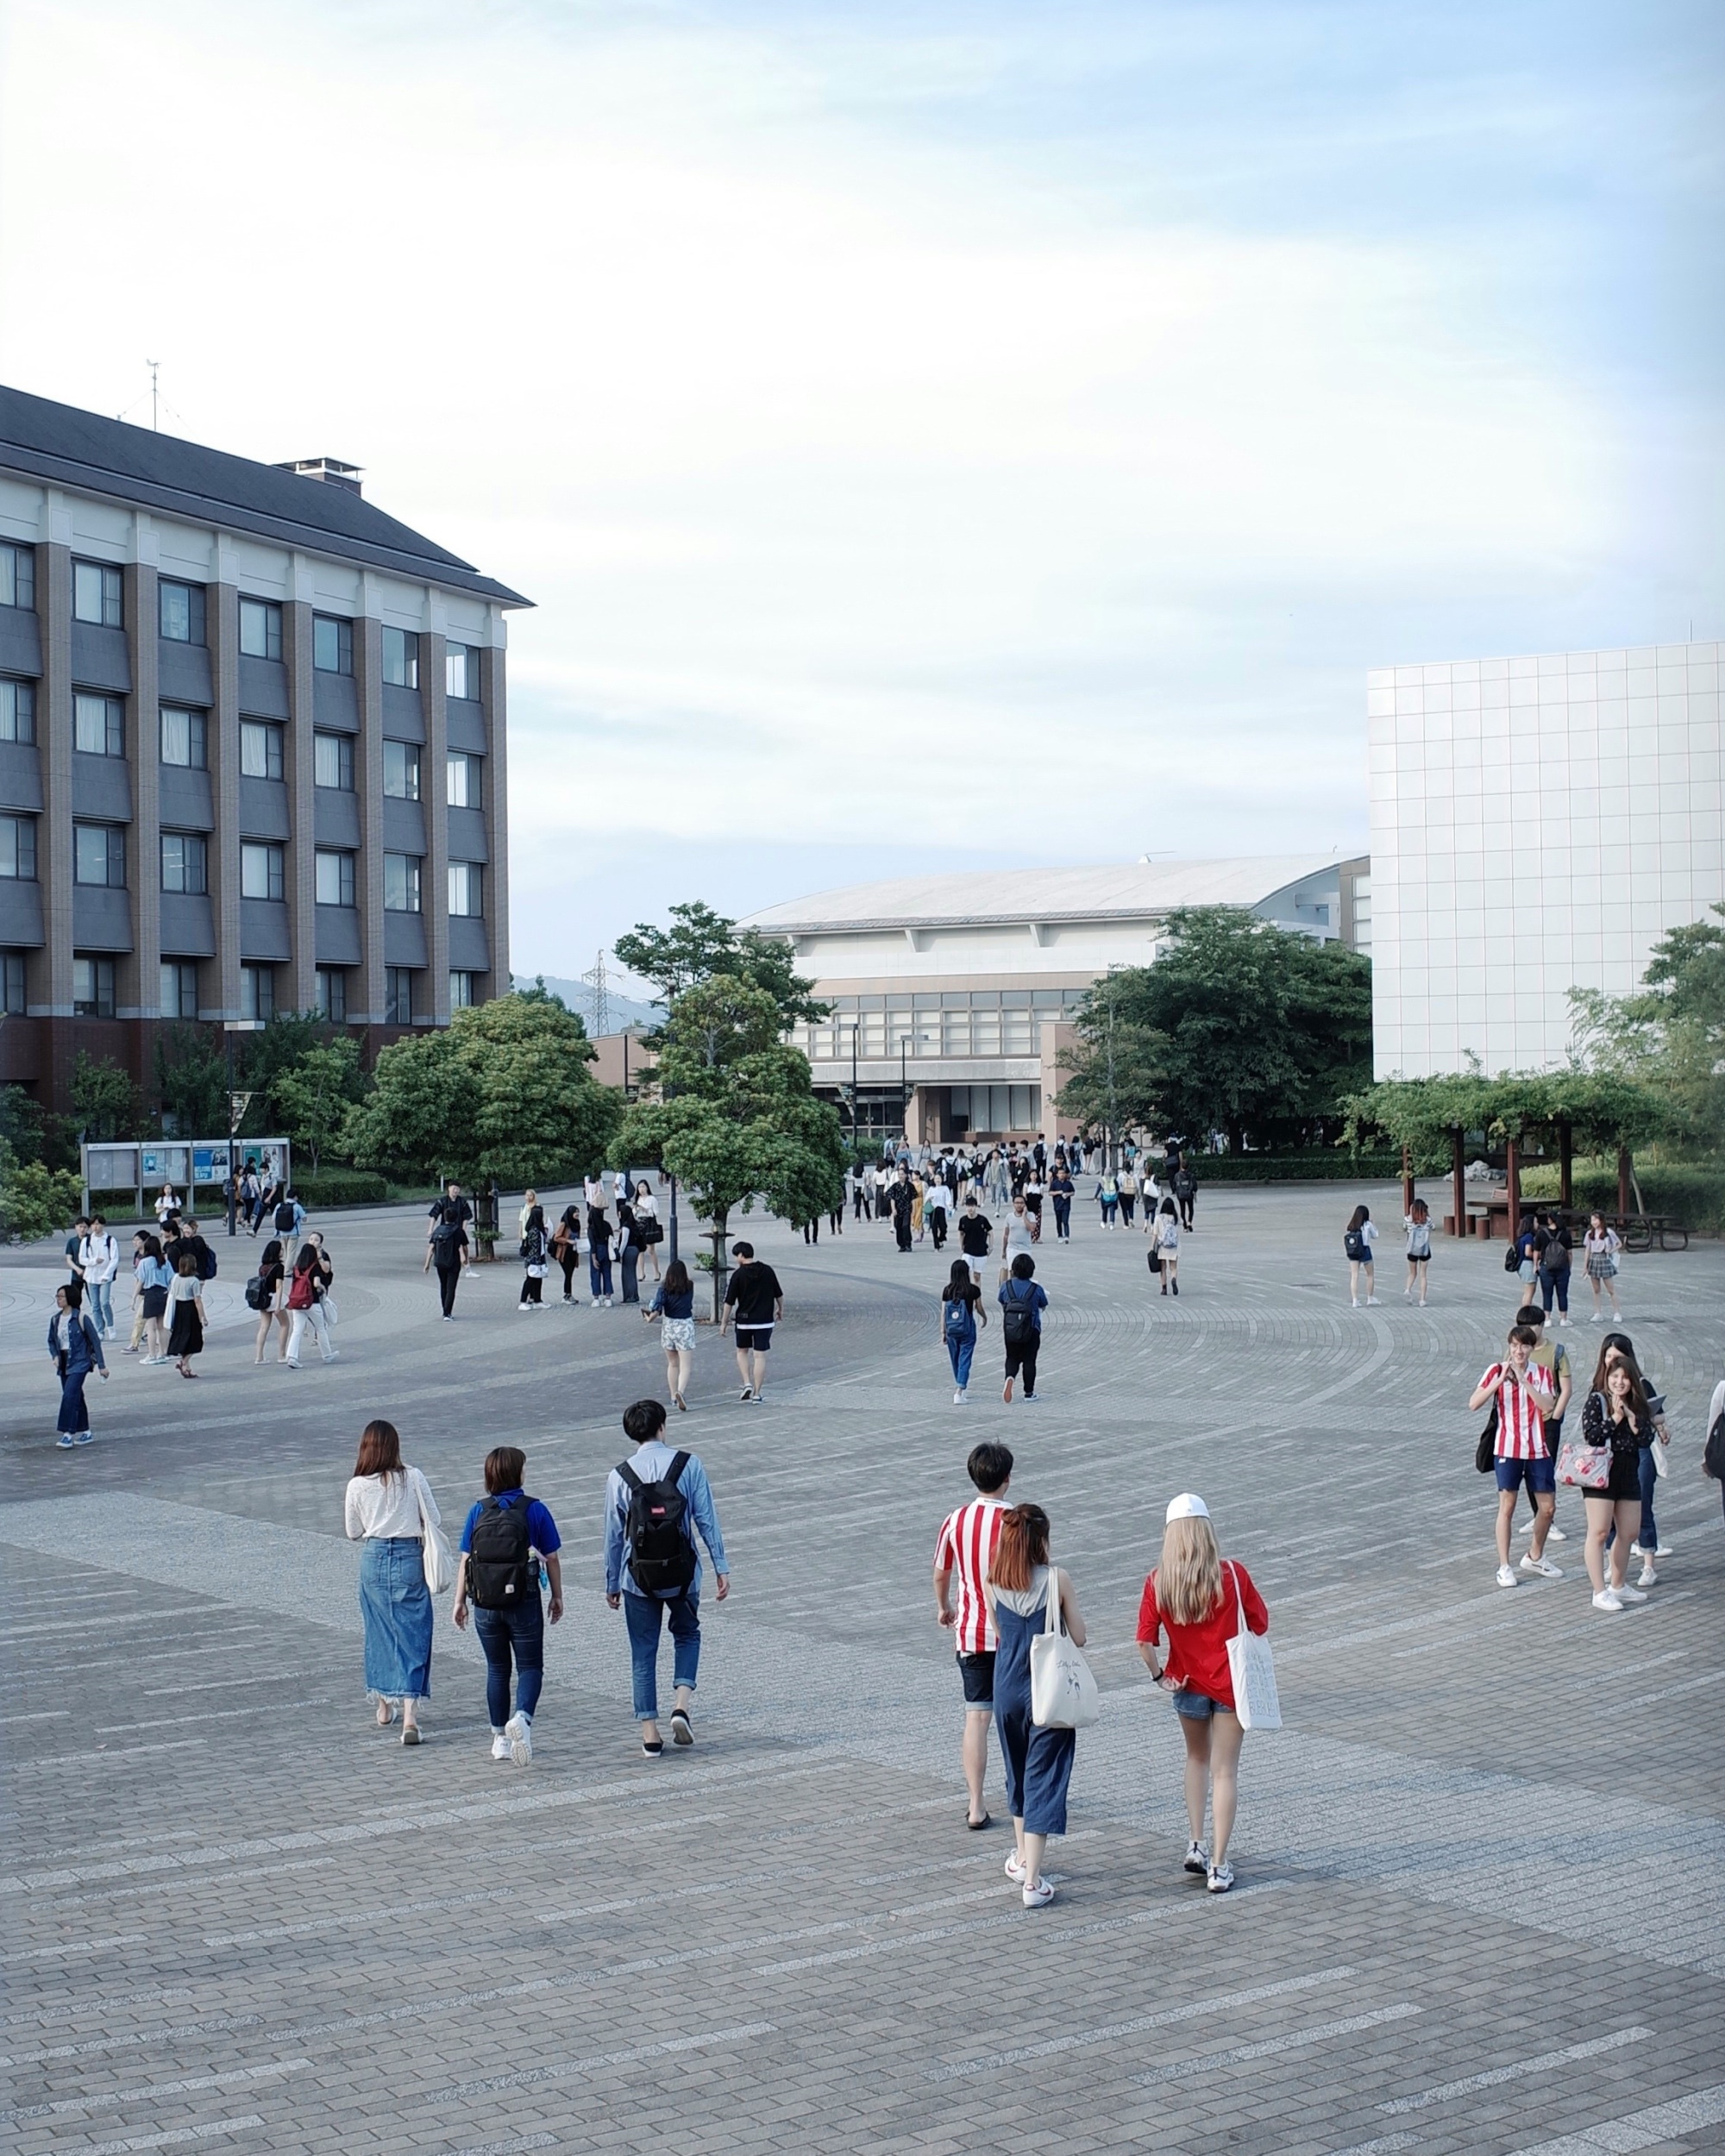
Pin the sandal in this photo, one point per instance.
(977, 1825)
(409, 1734)
(655, 1749)
(386, 1712)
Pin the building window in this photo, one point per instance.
(401, 883)
(462, 671)
(462, 782)
(18, 576)
(401, 770)
(98, 724)
(180, 612)
(99, 854)
(260, 629)
(332, 644)
(261, 754)
(17, 710)
(332, 762)
(179, 989)
(184, 738)
(463, 991)
(18, 848)
(401, 658)
(92, 987)
(464, 888)
(14, 999)
(257, 993)
(397, 995)
(184, 863)
(95, 594)
(262, 871)
(329, 994)
(335, 878)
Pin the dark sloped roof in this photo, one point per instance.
(70, 448)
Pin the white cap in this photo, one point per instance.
(1187, 1507)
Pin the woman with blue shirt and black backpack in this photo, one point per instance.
(507, 1537)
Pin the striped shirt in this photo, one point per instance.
(1521, 1421)
(966, 1546)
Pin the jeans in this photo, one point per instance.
(1556, 1284)
(522, 1630)
(99, 1294)
(631, 1262)
(446, 1277)
(1063, 1218)
(74, 1416)
(598, 1273)
(641, 1613)
(961, 1347)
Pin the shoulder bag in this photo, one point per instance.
(1585, 1466)
(1661, 1455)
(1252, 1668)
(1062, 1690)
(434, 1547)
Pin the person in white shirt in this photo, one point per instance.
(1017, 1236)
(98, 1261)
(1357, 1238)
(390, 1509)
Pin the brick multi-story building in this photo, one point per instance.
(252, 749)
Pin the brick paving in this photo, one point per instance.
(1482, 1872)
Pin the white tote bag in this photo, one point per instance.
(1252, 1668)
(435, 1553)
(1063, 1692)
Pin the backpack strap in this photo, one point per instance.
(630, 1478)
(674, 1474)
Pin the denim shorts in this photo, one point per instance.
(976, 1673)
(1197, 1707)
(1540, 1475)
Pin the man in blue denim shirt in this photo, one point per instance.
(645, 1423)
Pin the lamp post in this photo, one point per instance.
(237, 1105)
(904, 1091)
(855, 1102)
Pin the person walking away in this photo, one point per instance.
(507, 1540)
(1600, 1245)
(902, 1198)
(1186, 1190)
(1417, 1223)
(75, 1350)
(446, 1243)
(975, 1230)
(305, 1308)
(656, 1502)
(1152, 1194)
(156, 1276)
(599, 1255)
(266, 1292)
(288, 1219)
(185, 1337)
(1108, 1197)
(1061, 1192)
(674, 1306)
(1554, 1253)
(1357, 1238)
(98, 1261)
(960, 1310)
(1616, 1419)
(1023, 1299)
(1526, 1254)
(1016, 1239)
(1524, 1395)
(963, 1550)
(140, 1250)
(388, 1508)
(535, 1250)
(650, 1229)
(1126, 1185)
(1197, 1603)
(754, 1296)
(1038, 1762)
(1165, 1256)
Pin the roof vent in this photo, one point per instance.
(331, 470)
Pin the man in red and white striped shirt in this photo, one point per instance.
(966, 1544)
(1525, 1392)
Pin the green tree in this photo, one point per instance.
(504, 1091)
(737, 1119)
(1669, 1035)
(700, 945)
(36, 1199)
(191, 1081)
(104, 1101)
(312, 1097)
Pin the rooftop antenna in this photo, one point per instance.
(601, 1002)
(154, 366)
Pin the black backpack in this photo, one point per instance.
(1485, 1452)
(257, 1293)
(284, 1217)
(501, 1575)
(1512, 1256)
(206, 1264)
(661, 1553)
(1357, 1249)
(1018, 1323)
(1713, 1459)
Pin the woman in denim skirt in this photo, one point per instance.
(388, 1507)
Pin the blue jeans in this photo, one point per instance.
(99, 1296)
(598, 1272)
(522, 1630)
(961, 1347)
(1556, 1284)
(641, 1613)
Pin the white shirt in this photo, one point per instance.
(1017, 1236)
(98, 1258)
(384, 1506)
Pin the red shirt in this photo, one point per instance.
(966, 1544)
(1198, 1654)
(1521, 1422)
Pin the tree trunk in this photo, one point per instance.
(1566, 1166)
(1407, 1180)
(1459, 1181)
(1513, 1174)
(1623, 1172)
(719, 1267)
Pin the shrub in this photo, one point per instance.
(1690, 1193)
(341, 1186)
(1293, 1167)
(36, 1200)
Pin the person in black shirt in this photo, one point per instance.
(757, 1302)
(901, 1195)
(445, 1243)
(975, 1229)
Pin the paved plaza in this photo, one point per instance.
(1481, 1871)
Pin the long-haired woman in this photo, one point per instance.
(1038, 1762)
(674, 1306)
(1648, 1544)
(1357, 1238)
(1198, 1602)
(388, 1507)
(273, 1302)
(184, 1295)
(1417, 1221)
(535, 1245)
(961, 1312)
(1617, 1416)
(1600, 1245)
(154, 1277)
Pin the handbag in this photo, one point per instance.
(1583, 1466)
(1063, 1688)
(1661, 1455)
(1252, 1668)
(327, 1303)
(435, 1553)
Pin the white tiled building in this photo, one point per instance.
(1537, 825)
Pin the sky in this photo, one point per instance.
(936, 436)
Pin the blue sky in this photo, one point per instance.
(943, 435)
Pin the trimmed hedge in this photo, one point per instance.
(1293, 1168)
(1686, 1191)
(341, 1186)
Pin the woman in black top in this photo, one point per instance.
(534, 1246)
(272, 1307)
(566, 1248)
(630, 1243)
(1616, 1415)
(599, 1254)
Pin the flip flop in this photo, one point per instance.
(409, 1735)
(977, 1825)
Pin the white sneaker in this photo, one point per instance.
(958, 1399)
(1197, 1857)
(1606, 1600)
(1636, 1551)
(518, 1735)
(1556, 1534)
(1014, 1868)
(1543, 1566)
(1221, 1877)
(1627, 1594)
(1664, 1550)
(1354, 1305)
(499, 1745)
(1647, 1576)
(1371, 1304)
(1596, 1319)
(1039, 1896)
(1506, 1576)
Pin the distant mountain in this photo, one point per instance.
(621, 1010)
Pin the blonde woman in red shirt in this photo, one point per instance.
(1196, 1602)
